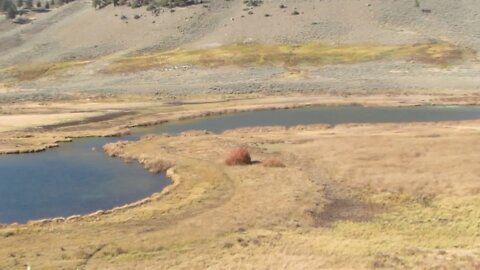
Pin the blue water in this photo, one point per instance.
(69, 180)
(73, 179)
(324, 114)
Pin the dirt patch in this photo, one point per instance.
(346, 209)
(93, 119)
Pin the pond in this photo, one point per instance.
(72, 179)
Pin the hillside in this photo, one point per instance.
(82, 42)
(355, 125)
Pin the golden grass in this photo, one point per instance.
(30, 72)
(316, 54)
(408, 234)
(288, 56)
(300, 217)
(442, 222)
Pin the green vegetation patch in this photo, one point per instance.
(312, 54)
(9, 8)
(247, 55)
(436, 223)
(35, 71)
(410, 233)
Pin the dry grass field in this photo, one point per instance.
(351, 196)
(387, 196)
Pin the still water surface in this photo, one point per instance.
(73, 179)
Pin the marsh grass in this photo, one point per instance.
(445, 222)
(407, 234)
(7, 233)
(35, 71)
(289, 56)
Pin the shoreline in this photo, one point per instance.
(118, 129)
(171, 172)
(189, 115)
(209, 204)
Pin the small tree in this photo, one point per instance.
(253, 3)
(28, 3)
(19, 3)
(12, 12)
(4, 4)
(39, 4)
(47, 5)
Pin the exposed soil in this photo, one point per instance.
(108, 116)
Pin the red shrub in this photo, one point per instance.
(239, 156)
(274, 163)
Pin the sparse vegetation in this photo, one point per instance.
(158, 165)
(253, 3)
(239, 156)
(315, 54)
(21, 20)
(7, 233)
(9, 8)
(152, 5)
(12, 12)
(35, 71)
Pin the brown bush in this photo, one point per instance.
(239, 156)
(273, 163)
(157, 165)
